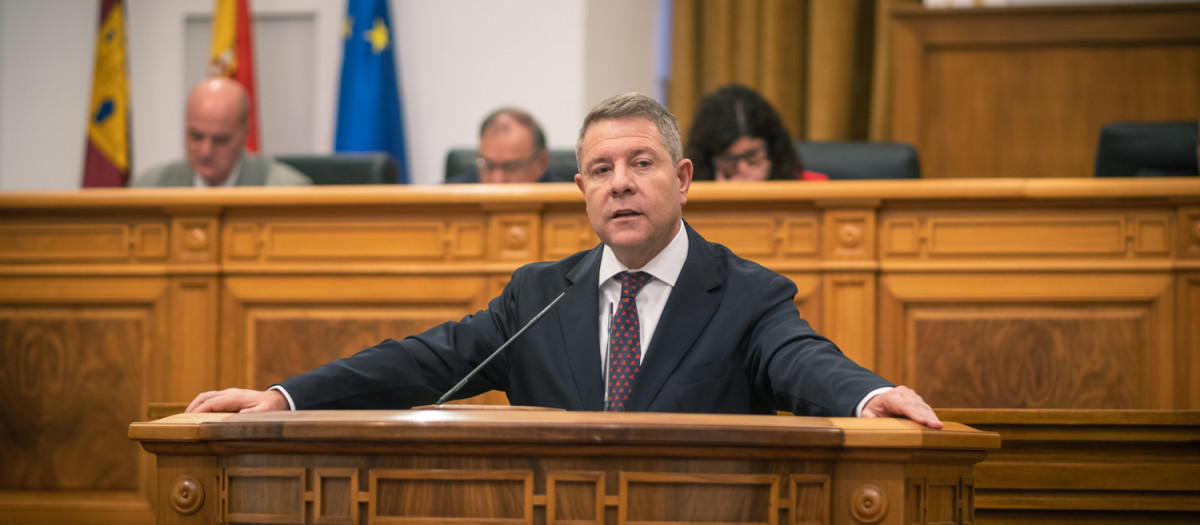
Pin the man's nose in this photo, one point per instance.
(622, 180)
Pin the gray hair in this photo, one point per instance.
(523, 118)
(631, 105)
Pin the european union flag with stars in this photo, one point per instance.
(370, 115)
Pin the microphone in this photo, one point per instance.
(480, 366)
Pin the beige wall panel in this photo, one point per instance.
(1030, 341)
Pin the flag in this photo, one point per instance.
(107, 159)
(370, 115)
(233, 54)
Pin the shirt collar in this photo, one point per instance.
(199, 181)
(665, 266)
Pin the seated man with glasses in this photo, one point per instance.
(512, 148)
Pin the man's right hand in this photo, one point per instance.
(239, 400)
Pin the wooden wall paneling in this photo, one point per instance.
(194, 236)
(282, 326)
(296, 239)
(79, 362)
(566, 232)
(1014, 92)
(1188, 330)
(1187, 344)
(848, 248)
(989, 275)
(515, 235)
(810, 297)
(1087, 466)
(191, 350)
(1031, 340)
(847, 297)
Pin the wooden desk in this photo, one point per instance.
(998, 293)
(1087, 466)
(539, 466)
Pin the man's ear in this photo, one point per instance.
(683, 171)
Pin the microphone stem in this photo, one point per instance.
(475, 370)
(607, 354)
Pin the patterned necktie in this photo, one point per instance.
(625, 345)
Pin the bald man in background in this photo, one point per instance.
(215, 131)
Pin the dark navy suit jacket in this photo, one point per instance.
(730, 340)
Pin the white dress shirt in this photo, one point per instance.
(201, 182)
(664, 269)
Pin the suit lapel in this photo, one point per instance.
(178, 174)
(692, 303)
(254, 171)
(581, 330)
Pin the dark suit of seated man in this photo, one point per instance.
(216, 128)
(693, 327)
(512, 148)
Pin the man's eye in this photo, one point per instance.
(642, 164)
(602, 170)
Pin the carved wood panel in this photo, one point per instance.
(280, 327)
(1032, 357)
(967, 234)
(365, 235)
(71, 381)
(1051, 341)
(288, 342)
(491, 491)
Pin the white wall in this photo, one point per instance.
(458, 59)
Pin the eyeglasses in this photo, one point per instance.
(512, 167)
(729, 162)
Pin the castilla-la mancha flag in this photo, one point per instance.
(233, 53)
(107, 159)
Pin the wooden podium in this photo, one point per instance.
(517, 466)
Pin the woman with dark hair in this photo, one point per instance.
(737, 136)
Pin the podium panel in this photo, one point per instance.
(517, 466)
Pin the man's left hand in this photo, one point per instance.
(903, 402)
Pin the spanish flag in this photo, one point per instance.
(108, 152)
(233, 53)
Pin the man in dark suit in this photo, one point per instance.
(694, 328)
